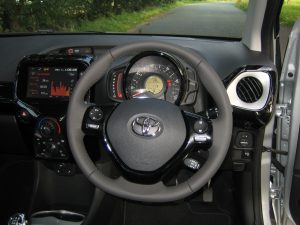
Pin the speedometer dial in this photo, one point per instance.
(154, 76)
(154, 84)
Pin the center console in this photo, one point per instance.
(43, 88)
(49, 79)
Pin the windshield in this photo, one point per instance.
(171, 17)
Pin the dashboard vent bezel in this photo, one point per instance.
(258, 105)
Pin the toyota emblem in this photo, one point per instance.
(146, 126)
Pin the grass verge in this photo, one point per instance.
(128, 20)
(289, 14)
(242, 4)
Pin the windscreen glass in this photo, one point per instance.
(211, 18)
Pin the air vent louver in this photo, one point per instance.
(249, 89)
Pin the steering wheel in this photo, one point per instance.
(146, 137)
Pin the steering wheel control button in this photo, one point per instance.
(92, 122)
(200, 126)
(200, 138)
(192, 163)
(95, 114)
(92, 126)
(147, 126)
(203, 139)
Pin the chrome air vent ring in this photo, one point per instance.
(250, 90)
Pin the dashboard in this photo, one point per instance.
(37, 87)
(51, 78)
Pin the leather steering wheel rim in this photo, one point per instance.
(157, 192)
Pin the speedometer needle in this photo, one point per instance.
(138, 92)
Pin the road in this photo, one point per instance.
(203, 19)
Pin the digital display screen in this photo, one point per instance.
(51, 82)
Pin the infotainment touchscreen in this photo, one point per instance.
(51, 82)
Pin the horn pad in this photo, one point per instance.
(146, 133)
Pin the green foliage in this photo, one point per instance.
(242, 4)
(124, 21)
(63, 15)
(290, 12)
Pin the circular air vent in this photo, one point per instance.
(249, 89)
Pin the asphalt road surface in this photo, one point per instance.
(202, 19)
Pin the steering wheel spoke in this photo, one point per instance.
(94, 118)
(199, 129)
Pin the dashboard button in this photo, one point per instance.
(244, 140)
(48, 127)
(24, 114)
(246, 155)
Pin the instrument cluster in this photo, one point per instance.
(153, 75)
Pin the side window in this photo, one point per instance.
(289, 14)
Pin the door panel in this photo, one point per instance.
(287, 204)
